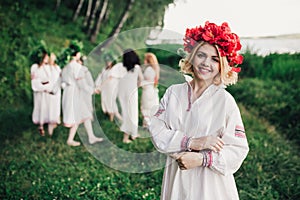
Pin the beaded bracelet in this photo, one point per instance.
(188, 144)
(207, 158)
(204, 162)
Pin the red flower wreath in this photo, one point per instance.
(228, 43)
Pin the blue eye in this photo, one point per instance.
(200, 55)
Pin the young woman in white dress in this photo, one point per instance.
(128, 95)
(55, 95)
(41, 85)
(107, 83)
(150, 98)
(76, 95)
(198, 124)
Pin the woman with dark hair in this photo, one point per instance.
(41, 86)
(128, 95)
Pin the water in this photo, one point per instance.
(265, 46)
(261, 45)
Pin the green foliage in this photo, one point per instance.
(152, 13)
(283, 67)
(274, 100)
(166, 54)
(252, 65)
(37, 53)
(23, 24)
(270, 170)
(65, 56)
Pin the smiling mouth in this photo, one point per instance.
(204, 69)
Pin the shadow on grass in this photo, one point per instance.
(14, 122)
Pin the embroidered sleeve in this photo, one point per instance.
(236, 148)
(164, 138)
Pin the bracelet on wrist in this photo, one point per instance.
(188, 144)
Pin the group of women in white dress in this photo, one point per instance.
(47, 80)
(120, 82)
(116, 83)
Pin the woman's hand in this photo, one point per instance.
(97, 91)
(189, 160)
(213, 143)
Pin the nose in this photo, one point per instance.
(205, 62)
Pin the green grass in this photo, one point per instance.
(35, 167)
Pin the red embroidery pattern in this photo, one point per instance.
(184, 142)
(210, 159)
(207, 159)
(189, 98)
(239, 132)
(159, 112)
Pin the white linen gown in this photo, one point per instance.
(55, 97)
(149, 99)
(75, 106)
(215, 112)
(41, 85)
(108, 83)
(128, 97)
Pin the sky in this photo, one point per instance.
(246, 18)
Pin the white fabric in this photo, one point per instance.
(128, 97)
(149, 99)
(55, 97)
(41, 85)
(87, 85)
(76, 101)
(108, 83)
(215, 112)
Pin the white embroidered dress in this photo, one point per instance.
(215, 112)
(128, 97)
(76, 95)
(149, 99)
(41, 85)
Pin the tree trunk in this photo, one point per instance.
(118, 26)
(58, 2)
(100, 18)
(92, 19)
(88, 13)
(78, 10)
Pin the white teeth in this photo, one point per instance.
(204, 69)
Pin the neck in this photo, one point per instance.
(199, 86)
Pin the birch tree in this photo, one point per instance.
(100, 18)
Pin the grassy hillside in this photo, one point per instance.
(34, 167)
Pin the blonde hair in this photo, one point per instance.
(226, 75)
(151, 59)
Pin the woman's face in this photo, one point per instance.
(206, 63)
(46, 59)
(77, 56)
(145, 61)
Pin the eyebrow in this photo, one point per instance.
(214, 56)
